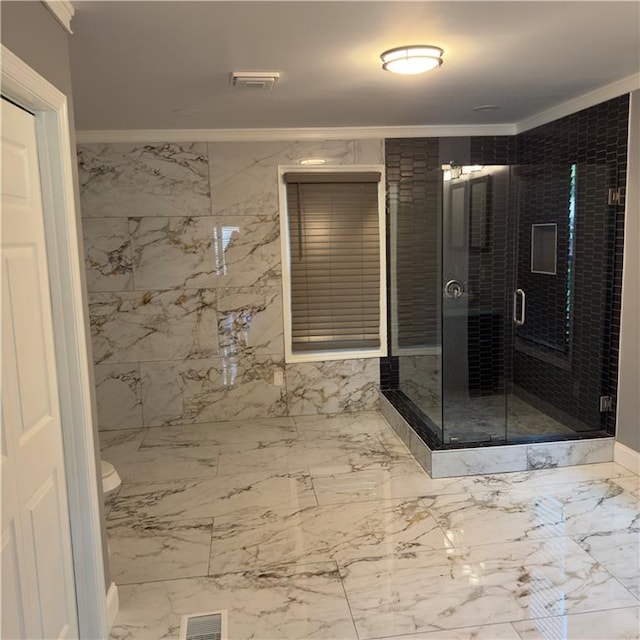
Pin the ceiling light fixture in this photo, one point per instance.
(313, 161)
(486, 108)
(412, 59)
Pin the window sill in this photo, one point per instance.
(324, 356)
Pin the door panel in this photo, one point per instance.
(37, 576)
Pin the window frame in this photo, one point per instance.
(285, 249)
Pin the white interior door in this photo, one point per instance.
(38, 592)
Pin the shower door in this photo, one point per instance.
(475, 304)
(564, 285)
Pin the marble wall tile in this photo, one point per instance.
(471, 462)
(369, 151)
(244, 175)
(118, 396)
(565, 454)
(250, 321)
(107, 249)
(164, 325)
(211, 390)
(247, 251)
(123, 179)
(332, 387)
(173, 252)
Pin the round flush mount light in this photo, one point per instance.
(486, 108)
(415, 58)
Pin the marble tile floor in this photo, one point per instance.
(325, 527)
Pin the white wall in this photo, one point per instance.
(628, 428)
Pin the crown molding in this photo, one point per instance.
(270, 135)
(62, 10)
(613, 90)
(590, 99)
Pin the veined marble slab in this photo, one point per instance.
(341, 532)
(216, 389)
(215, 433)
(244, 175)
(488, 516)
(246, 251)
(175, 252)
(163, 325)
(289, 603)
(621, 624)
(335, 426)
(619, 553)
(124, 180)
(487, 584)
(250, 321)
(107, 250)
(332, 387)
(158, 550)
(118, 396)
(320, 457)
(212, 497)
(486, 632)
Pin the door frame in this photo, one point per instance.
(24, 86)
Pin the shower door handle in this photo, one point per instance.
(519, 320)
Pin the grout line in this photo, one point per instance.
(346, 597)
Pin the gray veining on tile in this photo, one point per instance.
(209, 390)
(163, 325)
(173, 252)
(619, 624)
(338, 532)
(487, 632)
(107, 249)
(216, 433)
(244, 176)
(212, 497)
(250, 321)
(332, 387)
(123, 180)
(158, 550)
(369, 151)
(288, 603)
(564, 454)
(118, 396)
(481, 585)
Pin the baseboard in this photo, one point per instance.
(113, 604)
(626, 457)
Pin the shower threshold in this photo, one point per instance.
(489, 456)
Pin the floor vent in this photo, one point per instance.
(204, 626)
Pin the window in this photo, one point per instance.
(332, 227)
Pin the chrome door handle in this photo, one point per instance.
(519, 321)
(454, 289)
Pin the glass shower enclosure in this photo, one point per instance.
(491, 276)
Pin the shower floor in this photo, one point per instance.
(483, 418)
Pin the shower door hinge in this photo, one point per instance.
(606, 404)
(615, 196)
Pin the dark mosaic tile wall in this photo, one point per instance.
(570, 376)
(595, 140)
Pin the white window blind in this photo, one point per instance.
(334, 236)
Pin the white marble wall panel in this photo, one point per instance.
(122, 179)
(369, 151)
(173, 252)
(244, 175)
(247, 251)
(163, 325)
(250, 321)
(548, 455)
(212, 390)
(184, 269)
(107, 249)
(118, 396)
(333, 386)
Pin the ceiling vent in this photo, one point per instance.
(265, 80)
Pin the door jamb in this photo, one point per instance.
(27, 88)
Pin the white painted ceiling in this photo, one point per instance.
(135, 63)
